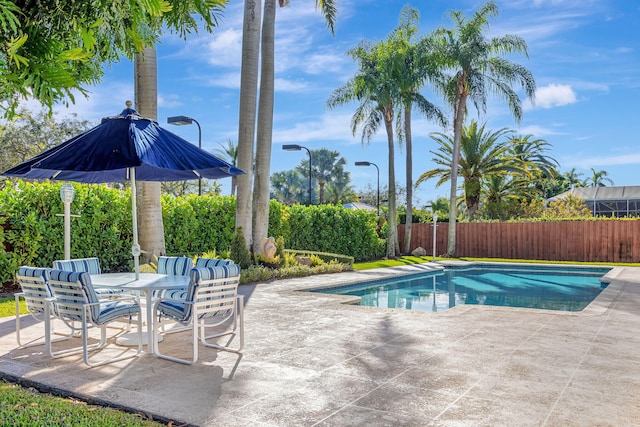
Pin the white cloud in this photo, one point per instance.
(537, 131)
(169, 101)
(223, 49)
(553, 95)
(626, 159)
(329, 126)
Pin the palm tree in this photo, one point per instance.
(414, 66)
(339, 191)
(374, 87)
(230, 154)
(598, 178)
(260, 224)
(573, 177)
(247, 113)
(482, 155)
(499, 190)
(479, 70)
(326, 167)
(150, 225)
(289, 186)
(532, 152)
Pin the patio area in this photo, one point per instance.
(310, 360)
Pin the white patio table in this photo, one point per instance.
(147, 283)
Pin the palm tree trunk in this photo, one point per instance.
(392, 232)
(409, 218)
(150, 225)
(247, 114)
(265, 129)
(459, 113)
(321, 185)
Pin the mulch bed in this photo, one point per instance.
(8, 289)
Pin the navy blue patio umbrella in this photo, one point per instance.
(120, 148)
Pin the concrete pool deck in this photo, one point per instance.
(310, 360)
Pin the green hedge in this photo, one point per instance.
(31, 232)
(330, 228)
(197, 224)
(34, 233)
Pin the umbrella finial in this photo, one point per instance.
(128, 111)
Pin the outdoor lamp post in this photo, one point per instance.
(296, 147)
(66, 195)
(185, 120)
(378, 169)
(435, 225)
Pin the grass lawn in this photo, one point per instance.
(407, 260)
(21, 406)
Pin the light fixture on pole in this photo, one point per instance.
(185, 120)
(378, 169)
(66, 195)
(296, 147)
(435, 228)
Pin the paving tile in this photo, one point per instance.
(580, 407)
(355, 416)
(308, 401)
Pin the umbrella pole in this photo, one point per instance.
(135, 249)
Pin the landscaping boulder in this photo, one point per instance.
(419, 251)
(303, 260)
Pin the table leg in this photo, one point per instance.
(150, 329)
(131, 338)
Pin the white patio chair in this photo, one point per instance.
(211, 301)
(76, 301)
(34, 282)
(88, 265)
(212, 262)
(174, 265)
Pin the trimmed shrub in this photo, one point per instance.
(330, 228)
(239, 252)
(324, 256)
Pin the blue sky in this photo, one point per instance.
(584, 55)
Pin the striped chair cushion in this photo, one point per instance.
(178, 309)
(212, 262)
(175, 294)
(89, 265)
(174, 266)
(75, 289)
(35, 290)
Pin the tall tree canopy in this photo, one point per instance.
(52, 50)
(252, 213)
(478, 69)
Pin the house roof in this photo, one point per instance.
(627, 192)
(358, 205)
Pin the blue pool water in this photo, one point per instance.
(550, 288)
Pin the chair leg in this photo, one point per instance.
(103, 341)
(86, 348)
(194, 336)
(39, 342)
(237, 329)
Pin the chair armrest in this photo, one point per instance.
(116, 298)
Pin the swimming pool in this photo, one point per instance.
(549, 288)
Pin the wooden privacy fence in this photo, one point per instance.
(589, 241)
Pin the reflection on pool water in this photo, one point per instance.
(549, 288)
